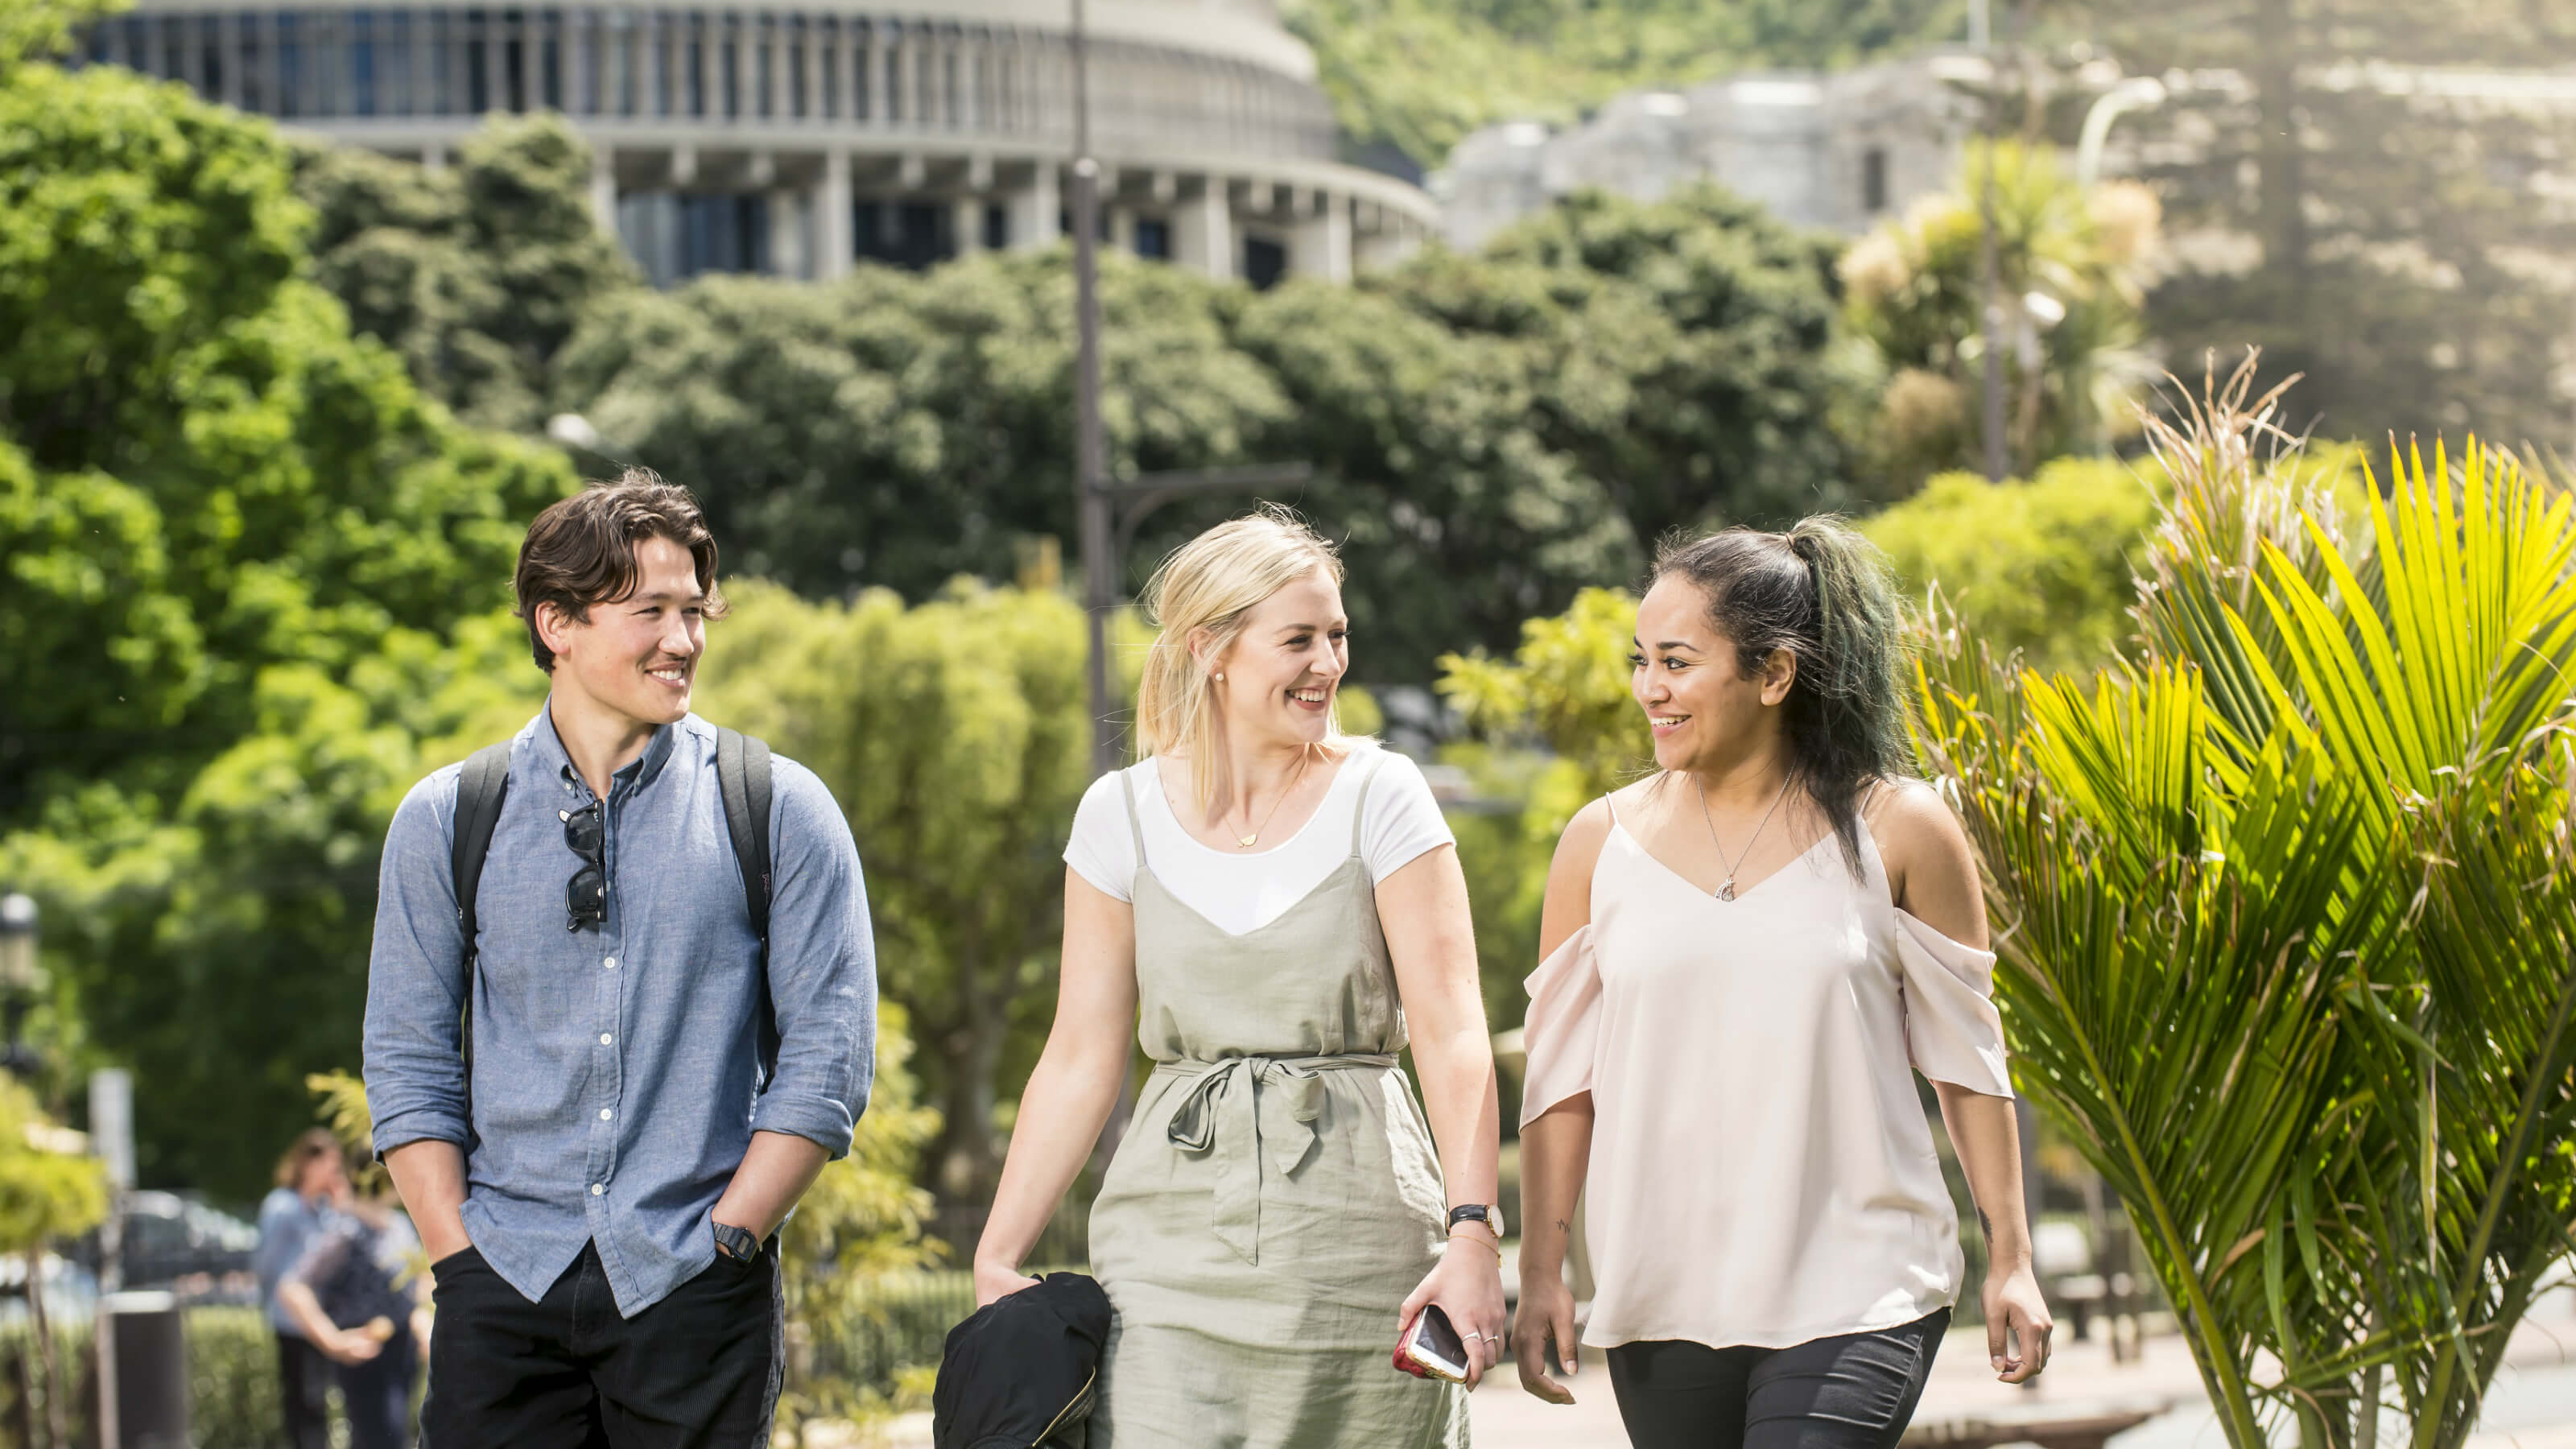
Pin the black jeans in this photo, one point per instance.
(303, 1380)
(1855, 1391)
(698, 1370)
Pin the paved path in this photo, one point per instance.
(2532, 1405)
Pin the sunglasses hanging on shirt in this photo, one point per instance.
(586, 894)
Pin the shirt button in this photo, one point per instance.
(605, 1038)
(597, 1188)
(605, 1114)
(610, 963)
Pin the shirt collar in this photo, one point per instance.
(554, 762)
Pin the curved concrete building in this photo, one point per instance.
(795, 137)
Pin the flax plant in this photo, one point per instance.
(2286, 907)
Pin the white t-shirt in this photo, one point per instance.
(1242, 891)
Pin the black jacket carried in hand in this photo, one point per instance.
(1022, 1371)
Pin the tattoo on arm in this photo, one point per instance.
(1562, 1226)
(1986, 1225)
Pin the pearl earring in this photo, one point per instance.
(1220, 678)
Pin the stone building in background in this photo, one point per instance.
(796, 137)
(1836, 150)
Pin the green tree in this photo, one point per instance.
(2042, 568)
(236, 542)
(2379, 229)
(201, 472)
(2072, 270)
(898, 429)
(953, 735)
(1685, 354)
(1416, 75)
(2316, 833)
(476, 274)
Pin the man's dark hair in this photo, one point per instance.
(581, 551)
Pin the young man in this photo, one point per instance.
(598, 1200)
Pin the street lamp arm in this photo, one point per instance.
(2137, 93)
(1135, 497)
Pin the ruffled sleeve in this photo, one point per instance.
(1952, 1030)
(1563, 1026)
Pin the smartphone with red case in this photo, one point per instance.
(1431, 1348)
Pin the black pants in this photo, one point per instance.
(303, 1378)
(698, 1370)
(1856, 1391)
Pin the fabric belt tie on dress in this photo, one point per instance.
(1254, 1114)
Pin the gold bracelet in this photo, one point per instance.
(1495, 1248)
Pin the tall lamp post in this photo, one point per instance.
(1108, 510)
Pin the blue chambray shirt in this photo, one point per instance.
(616, 1068)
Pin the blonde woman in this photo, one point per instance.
(1281, 901)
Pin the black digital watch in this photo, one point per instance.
(737, 1243)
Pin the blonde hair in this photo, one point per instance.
(1204, 590)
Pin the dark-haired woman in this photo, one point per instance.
(1746, 957)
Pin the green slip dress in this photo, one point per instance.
(1276, 1196)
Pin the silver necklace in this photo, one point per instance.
(1726, 892)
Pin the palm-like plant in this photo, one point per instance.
(2288, 911)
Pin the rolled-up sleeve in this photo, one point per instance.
(1952, 1030)
(822, 968)
(1562, 1032)
(416, 979)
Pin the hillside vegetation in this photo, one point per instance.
(1419, 74)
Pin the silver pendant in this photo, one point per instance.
(1726, 892)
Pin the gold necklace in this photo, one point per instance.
(1246, 842)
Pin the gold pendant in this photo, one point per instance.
(1247, 840)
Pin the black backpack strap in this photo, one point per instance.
(479, 788)
(742, 778)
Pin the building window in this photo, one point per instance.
(362, 63)
(997, 227)
(1873, 181)
(911, 235)
(550, 58)
(514, 47)
(290, 68)
(1154, 238)
(1264, 262)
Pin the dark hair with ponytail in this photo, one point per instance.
(1822, 592)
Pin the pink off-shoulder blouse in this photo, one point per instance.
(1762, 1171)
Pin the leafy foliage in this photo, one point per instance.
(2040, 567)
(953, 734)
(237, 540)
(45, 1193)
(2375, 234)
(1488, 433)
(2318, 834)
(475, 274)
(2071, 271)
(856, 1234)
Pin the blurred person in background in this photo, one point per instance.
(312, 1184)
(356, 1294)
